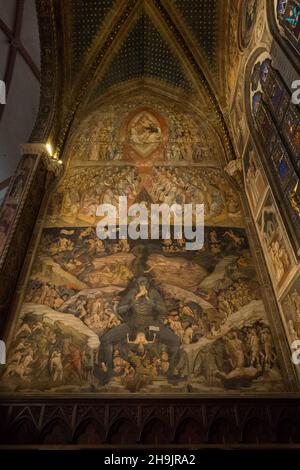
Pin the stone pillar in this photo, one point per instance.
(18, 214)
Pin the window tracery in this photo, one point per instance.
(277, 125)
(288, 15)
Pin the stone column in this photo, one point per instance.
(35, 171)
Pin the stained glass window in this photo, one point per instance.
(275, 113)
(277, 124)
(288, 14)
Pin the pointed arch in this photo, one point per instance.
(274, 123)
(285, 28)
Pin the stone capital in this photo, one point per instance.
(37, 148)
(235, 170)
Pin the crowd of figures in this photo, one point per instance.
(210, 304)
(183, 185)
(62, 358)
(59, 358)
(249, 349)
(105, 135)
(79, 195)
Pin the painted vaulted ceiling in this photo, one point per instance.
(200, 17)
(173, 45)
(144, 53)
(87, 18)
(148, 40)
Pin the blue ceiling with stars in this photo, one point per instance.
(144, 53)
(201, 18)
(87, 18)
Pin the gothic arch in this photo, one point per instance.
(155, 431)
(286, 194)
(122, 430)
(98, 61)
(89, 432)
(282, 36)
(48, 121)
(222, 430)
(24, 431)
(255, 431)
(56, 431)
(189, 430)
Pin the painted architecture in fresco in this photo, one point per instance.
(291, 308)
(162, 101)
(255, 181)
(150, 317)
(132, 316)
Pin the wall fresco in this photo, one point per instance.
(255, 181)
(132, 132)
(279, 255)
(123, 316)
(83, 326)
(291, 310)
(84, 188)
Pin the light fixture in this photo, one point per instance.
(49, 149)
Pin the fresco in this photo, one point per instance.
(238, 120)
(128, 132)
(119, 316)
(145, 133)
(275, 244)
(255, 181)
(290, 305)
(290, 310)
(84, 188)
(144, 316)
